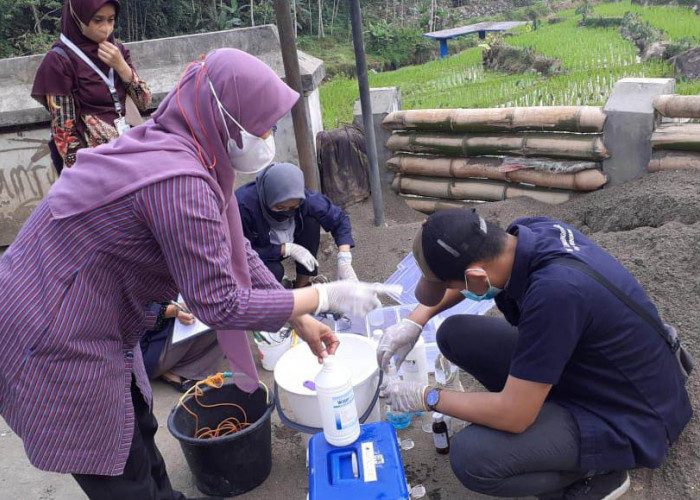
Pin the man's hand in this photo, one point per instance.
(398, 339)
(407, 397)
(319, 336)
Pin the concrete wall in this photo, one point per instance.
(26, 172)
(384, 100)
(26, 175)
(629, 124)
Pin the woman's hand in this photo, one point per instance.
(320, 337)
(112, 57)
(300, 255)
(345, 270)
(176, 312)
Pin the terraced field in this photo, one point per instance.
(594, 59)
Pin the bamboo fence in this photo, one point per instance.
(447, 158)
(676, 146)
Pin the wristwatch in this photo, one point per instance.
(432, 398)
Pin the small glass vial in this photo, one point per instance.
(441, 437)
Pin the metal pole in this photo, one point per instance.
(300, 118)
(367, 121)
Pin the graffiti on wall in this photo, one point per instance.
(26, 175)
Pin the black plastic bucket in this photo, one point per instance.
(229, 465)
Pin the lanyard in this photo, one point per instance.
(109, 80)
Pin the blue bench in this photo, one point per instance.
(480, 28)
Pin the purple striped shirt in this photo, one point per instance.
(75, 293)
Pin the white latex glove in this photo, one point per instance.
(406, 397)
(300, 255)
(345, 270)
(397, 340)
(350, 297)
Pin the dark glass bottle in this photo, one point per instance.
(440, 436)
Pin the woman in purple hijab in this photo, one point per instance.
(85, 79)
(134, 222)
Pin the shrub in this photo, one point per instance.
(602, 22)
(508, 59)
(398, 46)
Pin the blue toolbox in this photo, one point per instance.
(370, 468)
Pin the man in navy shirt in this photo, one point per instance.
(581, 387)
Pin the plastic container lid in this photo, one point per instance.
(438, 417)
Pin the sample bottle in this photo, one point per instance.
(336, 400)
(396, 419)
(414, 367)
(441, 437)
(447, 374)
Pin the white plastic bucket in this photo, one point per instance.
(270, 354)
(297, 367)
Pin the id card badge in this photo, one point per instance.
(121, 125)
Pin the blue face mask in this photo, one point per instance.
(490, 293)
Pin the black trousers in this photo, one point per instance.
(144, 477)
(309, 238)
(541, 460)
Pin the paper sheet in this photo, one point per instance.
(183, 332)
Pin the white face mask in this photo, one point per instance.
(256, 153)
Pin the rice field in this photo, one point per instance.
(676, 22)
(594, 58)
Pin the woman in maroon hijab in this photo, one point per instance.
(85, 79)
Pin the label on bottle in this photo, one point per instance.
(440, 440)
(344, 409)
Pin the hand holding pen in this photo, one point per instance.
(180, 311)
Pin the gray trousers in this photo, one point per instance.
(541, 460)
(193, 359)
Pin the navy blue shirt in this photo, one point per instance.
(608, 367)
(257, 230)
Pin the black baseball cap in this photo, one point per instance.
(446, 244)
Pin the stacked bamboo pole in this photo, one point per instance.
(444, 158)
(586, 179)
(678, 106)
(485, 190)
(584, 119)
(674, 160)
(553, 145)
(676, 146)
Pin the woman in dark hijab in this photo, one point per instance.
(85, 79)
(281, 219)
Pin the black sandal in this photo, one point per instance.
(182, 386)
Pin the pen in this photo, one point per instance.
(180, 307)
